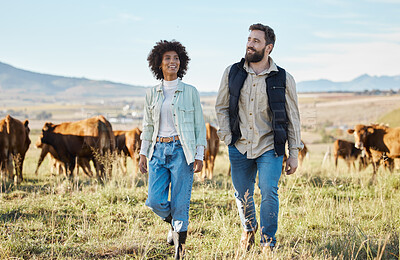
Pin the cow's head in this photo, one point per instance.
(47, 128)
(361, 132)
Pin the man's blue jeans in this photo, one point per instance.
(244, 172)
(168, 166)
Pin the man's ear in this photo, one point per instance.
(269, 48)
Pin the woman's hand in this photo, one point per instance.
(142, 163)
(197, 166)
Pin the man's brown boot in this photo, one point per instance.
(247, 239)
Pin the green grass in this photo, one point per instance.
(324, 214)
(391, 118)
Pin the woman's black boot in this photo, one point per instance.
(170, 239)
(179, 242)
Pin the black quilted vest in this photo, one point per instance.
(276, 86)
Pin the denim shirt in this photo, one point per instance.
(187, 115)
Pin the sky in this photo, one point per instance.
(337, 40)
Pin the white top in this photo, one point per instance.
(167, 127)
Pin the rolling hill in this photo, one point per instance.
(359, 84)
(22, 82)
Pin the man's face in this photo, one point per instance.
(256, 46)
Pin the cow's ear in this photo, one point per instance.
(47, 126)
(26, 123)
(350, 131)
(370, 130)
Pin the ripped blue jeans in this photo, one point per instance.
(244, 173)
(168, 170)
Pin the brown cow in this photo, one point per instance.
(89, 138)
(81, 162)
(6, 166)
(14, 144)
(380, 143)
(210, 153)
(348, 152)
(376, 158)
(302, 154)
(127, 143)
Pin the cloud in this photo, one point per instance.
(393, 35)
(336, 16)
(385, 1)
(122, 18)
(343, 62)
(334, 2)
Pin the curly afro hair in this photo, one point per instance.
(156, 55)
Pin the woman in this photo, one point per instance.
(173, 138)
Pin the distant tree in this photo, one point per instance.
(44, 115)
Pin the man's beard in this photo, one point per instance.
(256, 56)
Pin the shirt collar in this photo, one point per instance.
(272, 67)
(178, 88)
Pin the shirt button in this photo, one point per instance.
(252, 99)
(250, 113)
(254, 85)
(251, 127)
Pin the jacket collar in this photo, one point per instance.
(179, 87)
(272, 67)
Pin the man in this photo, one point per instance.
(257, 112)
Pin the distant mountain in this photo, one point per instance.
(362, 83)
(23, 82)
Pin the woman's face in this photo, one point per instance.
(170, 65)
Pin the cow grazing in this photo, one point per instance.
(376, 158)
(81, 162)
(347, 151)
(48, 149)
(89, 138)
(127, 143)
(6, 166)
(14, 144)
(380, 143)
(210, 153)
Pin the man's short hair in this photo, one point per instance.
(268, 31)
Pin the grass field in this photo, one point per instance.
(392, 118)
(324, 214)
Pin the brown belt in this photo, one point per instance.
(167, 139)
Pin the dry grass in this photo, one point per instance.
(324, 214)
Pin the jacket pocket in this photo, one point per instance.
(187, 114)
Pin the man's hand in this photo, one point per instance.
(142, 163)
(291, 165)
(197, 166)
